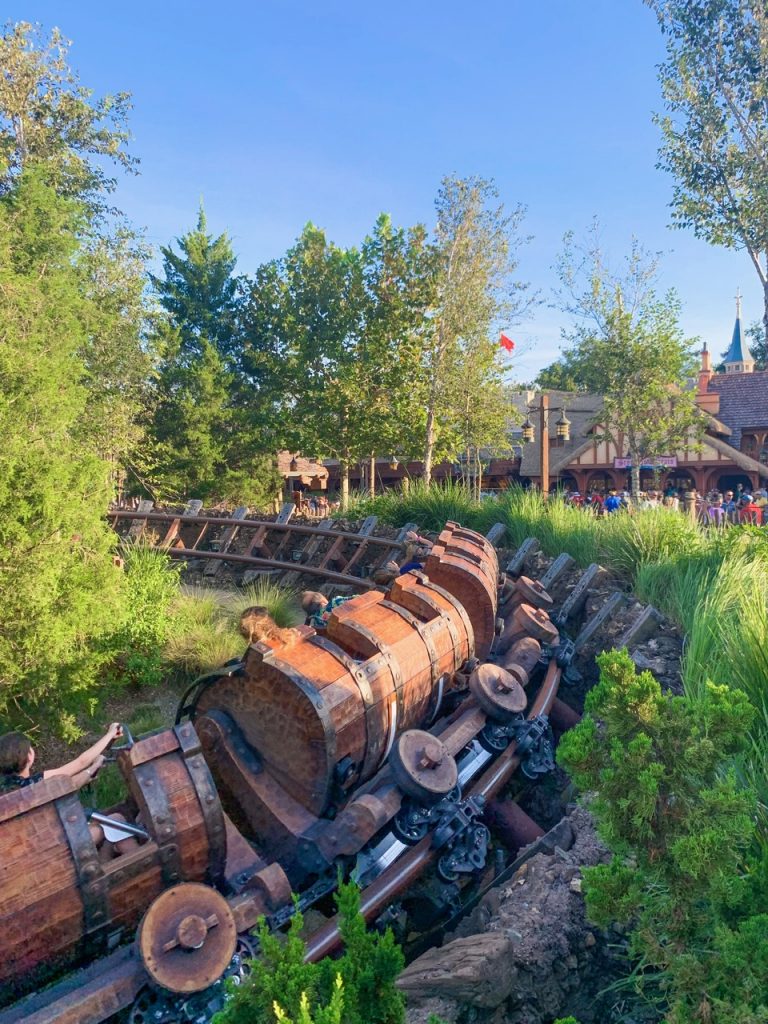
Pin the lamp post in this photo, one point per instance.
(563, 428)
(544, 428)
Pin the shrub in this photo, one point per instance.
(282, 983)
(152, 585)
(330, 1014)
(686, 870)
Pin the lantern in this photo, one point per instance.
(563, 427)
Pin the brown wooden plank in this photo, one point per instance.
(225, 541)
(365, 531)
(139, 525)
(192, 508)
(87, 997)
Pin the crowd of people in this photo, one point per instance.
(716, 508)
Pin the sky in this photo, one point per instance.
(277, 112)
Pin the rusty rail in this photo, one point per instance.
(259, 529)
(255, 524)
(407, 869)
(271, 563)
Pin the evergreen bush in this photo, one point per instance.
(687, 872)
(60, 594)
(281, 982)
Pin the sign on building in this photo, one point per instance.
(661, 462)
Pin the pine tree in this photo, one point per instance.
(59, 592)
(205, 444)
(199, 291)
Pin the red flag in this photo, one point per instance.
(506, 343)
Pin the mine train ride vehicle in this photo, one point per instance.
(371, 747)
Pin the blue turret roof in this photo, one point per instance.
(739, 351)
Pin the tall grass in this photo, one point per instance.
(205, 634)
(430, 507)
(281, 602)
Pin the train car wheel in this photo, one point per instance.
(422, 767)
(187, 938)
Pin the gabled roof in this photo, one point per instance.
(738, 352)
(743, 401)
(751, 465)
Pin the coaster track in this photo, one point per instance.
(339, 556)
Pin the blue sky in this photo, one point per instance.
(282, 111)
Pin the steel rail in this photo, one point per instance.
(410, 866)
(271, 563)
(255, 524)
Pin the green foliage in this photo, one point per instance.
(281, 602)
(204, 444)
(281, 980)
(203, 634)
(627, 346)
(152, 586)
(715, 130)
(48, 119)
(59, 592)
(203, 630)
(682, 829)
(330, 1014)
(758, 346)
(475, 250)
(566, 1020)
(429, 506)
(330, 343)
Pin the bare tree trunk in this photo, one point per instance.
(429, 445)
(372, 473)
(344, 478)
(635, 478)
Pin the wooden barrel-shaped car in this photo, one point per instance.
(465, 564)
(322, 713)
(61, 899)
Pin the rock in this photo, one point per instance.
(444, 1009)
(475, 970)
(560, 837)
(658, 666)
(575, 885)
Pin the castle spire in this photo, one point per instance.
(739, 358)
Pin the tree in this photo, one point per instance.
(59, 591)
(118, 355)
(562, 375)
(686, 873)
(482, 409)
(205, 443)
(331, 351)
(758, 345)
(715, 88)
(199, 290)
(399, 284)
(627, 346)
(476, 245)
(47, 117)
